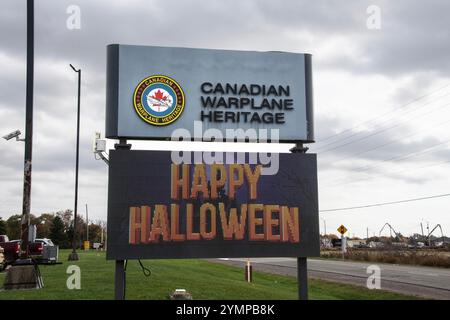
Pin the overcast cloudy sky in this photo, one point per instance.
(382, 96)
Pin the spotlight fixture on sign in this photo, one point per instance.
(99, 148)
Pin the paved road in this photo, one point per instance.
(414, 280)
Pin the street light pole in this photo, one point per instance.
(101, 235)
(74, 256)
(324, 226)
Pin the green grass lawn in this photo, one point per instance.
(203, 279)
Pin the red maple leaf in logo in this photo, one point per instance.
(159, 96)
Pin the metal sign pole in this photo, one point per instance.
(302, 278)
(119, 282)
(342, 230)
(302, 262)
(120, 276)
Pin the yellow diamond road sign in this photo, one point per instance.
(342, 229)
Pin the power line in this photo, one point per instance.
(376, 132)
(387, 203)
(380, 173)
(432, 127)
(384, 114)
(402, 157)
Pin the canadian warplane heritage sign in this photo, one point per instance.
(152, 91)
(160, 209)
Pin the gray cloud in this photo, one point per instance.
(411, 33)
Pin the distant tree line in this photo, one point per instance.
(55, 226)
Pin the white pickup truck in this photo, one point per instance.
(48, 251)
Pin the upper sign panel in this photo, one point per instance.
(153, 91)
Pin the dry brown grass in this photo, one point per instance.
(422, 257)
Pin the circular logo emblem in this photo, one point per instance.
(158, 100)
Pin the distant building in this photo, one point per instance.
(376, 244)
(336, 243)
(325, 242)
(356, 243)
(399, 244)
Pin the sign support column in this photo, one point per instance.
(119, 280)
(342, 230)
(302, 278)
(120, 276)
(302, 262)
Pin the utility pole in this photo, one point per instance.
(101, 235)
(367, 233)
(26, 201)
(74, 256)
(324, 226)
(24, 274)
(104, 236)
(87, 224)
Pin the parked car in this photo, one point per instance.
(45, 242)
(2, 260)
(42, 250)
(11, 249)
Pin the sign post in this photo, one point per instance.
(342, 230)
(119, 280)
(302, 278)
(120, 268)
(302, 262)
